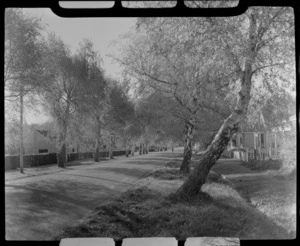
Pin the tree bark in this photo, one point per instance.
(197, 178)
(62, 148)
(21, 131)
(127, 147)
(132, 150)
(140, 150)
(98, 140)
(97, 151)
(187, 154)
(61, 155)
(111, 154)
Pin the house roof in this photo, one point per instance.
(262, 127)
(43, 132)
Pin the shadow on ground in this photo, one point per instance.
(49, 209)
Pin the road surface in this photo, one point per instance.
(42, 202)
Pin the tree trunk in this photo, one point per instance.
(98, 139)
(132, 150)
(61, 155)
(140, 150)
(187, 154)
(194, 182)
(21, 131)
(197, 178)
(97, 151)
(111, 153)
(61, 146)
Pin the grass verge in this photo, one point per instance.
(263, 165)
(147, 210)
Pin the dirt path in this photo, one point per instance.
(39, 204)
(273, 196)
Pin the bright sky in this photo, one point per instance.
(101, 31)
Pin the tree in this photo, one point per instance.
(93, 104)
(158, 117)
(23, 68)
(252, 43)
(164, 55)
(120, 116)
(75, 79)
(215, 65)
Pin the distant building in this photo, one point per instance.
(38, 141)
(258, 142)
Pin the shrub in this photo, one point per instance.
(288, 152)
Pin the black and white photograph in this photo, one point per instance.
(141, 127)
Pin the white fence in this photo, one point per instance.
(247, 154)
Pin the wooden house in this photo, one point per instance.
(259, 142)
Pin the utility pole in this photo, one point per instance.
(21, 129)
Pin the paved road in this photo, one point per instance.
(41, 202)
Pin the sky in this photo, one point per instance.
(101, 31)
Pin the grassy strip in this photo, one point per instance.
(263, 165)
(147, 210)
(146, 213)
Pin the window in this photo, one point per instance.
(43, 151)
(262, 140)
(233, 142)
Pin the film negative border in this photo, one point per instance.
(180, 10)
(152, 241)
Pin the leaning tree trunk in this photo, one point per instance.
(194, 182)
(187, 153)
(196, 179)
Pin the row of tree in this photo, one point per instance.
(84, 105)
(189, 77)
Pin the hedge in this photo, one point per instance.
(13, 161)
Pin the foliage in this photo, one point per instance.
(12, 132)
(23, 53)
(288, 152)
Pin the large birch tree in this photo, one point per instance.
(217, 65)
(260, 46)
